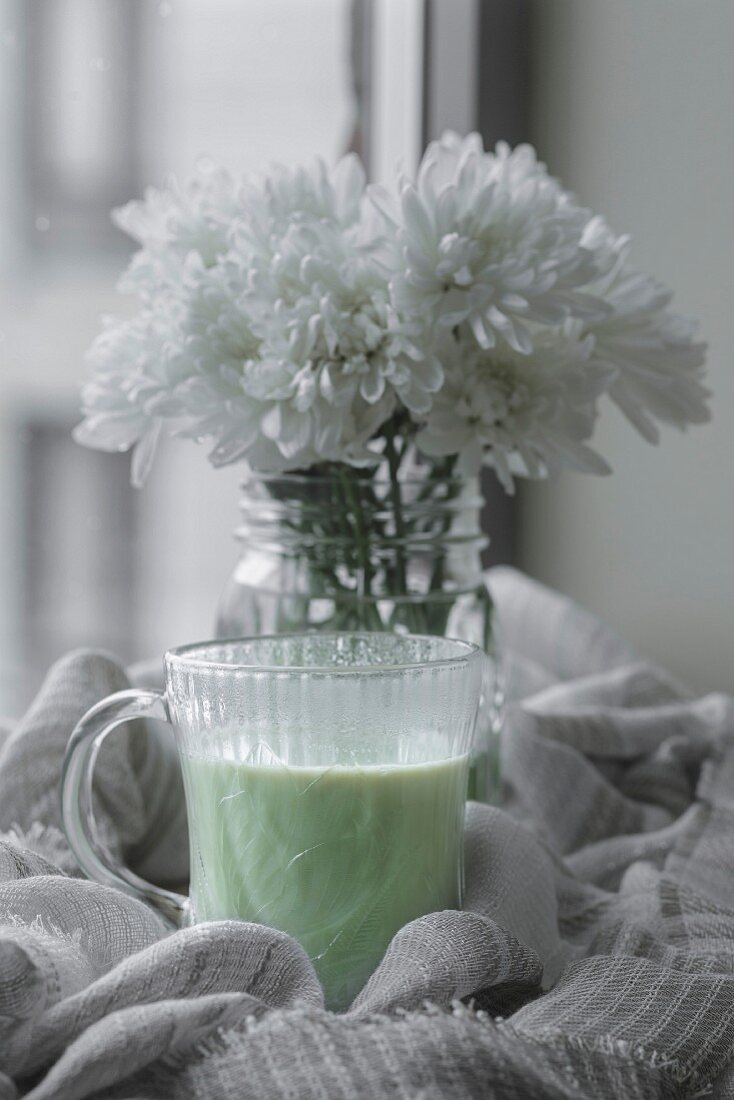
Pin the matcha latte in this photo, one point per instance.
(325, 779)
(340, 857)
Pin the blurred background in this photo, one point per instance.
(629, 102)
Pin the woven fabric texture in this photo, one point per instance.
(594, 956)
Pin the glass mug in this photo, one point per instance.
(325, 779)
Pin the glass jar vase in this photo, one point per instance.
(352, 550)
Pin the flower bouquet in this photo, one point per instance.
(363, 352)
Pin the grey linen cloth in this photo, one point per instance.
(594, 956)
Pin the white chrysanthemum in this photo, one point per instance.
(317, 298)
(525, 415)
(133, 364)
(214, 341)
(333, 358)
(308, 192)
(256, 401)
(492, 240)
(656, 359)
(288, 350)
(192, 218)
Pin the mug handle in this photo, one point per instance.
(77, 812)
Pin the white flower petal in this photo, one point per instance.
(144, 454)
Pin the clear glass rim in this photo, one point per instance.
(189, 655)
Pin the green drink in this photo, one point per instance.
(340, 857)
(325, 778)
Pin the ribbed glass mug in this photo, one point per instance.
(325, 779)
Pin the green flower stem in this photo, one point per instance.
(369, 613)
(393, 462)
(437, 576)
